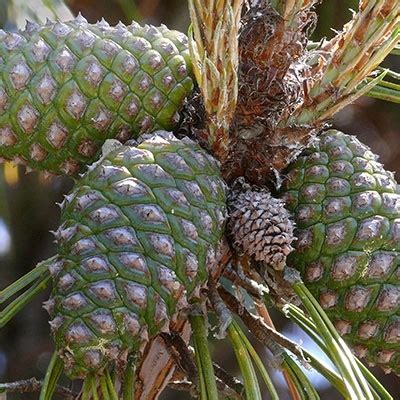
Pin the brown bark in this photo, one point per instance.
(158, 366)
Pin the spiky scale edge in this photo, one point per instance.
(139, 234)
(66, 87)
(347, 210)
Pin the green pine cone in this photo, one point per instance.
(139, 235)
(67, 87)
(347, 211)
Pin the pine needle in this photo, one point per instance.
(250, 380)
(347, 60)
(53, 373)
(208, 384)
(39, 272)
(213, 45)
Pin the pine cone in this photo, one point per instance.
(66, 87)
(138, 237)
(347, 210)
(261, 226)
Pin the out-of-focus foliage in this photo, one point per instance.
(14, 13)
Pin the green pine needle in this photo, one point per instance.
(303, 384)
(53, 373)
(130, 10)
(104, 387)
(19, 303)
(396, 50)
(110, 386)
(250, 381)
(354, 380)
(128, 386)
(40, 271)
(208, 384)
(94, 389)
(258, 362)
(87, 387)
(385, 90)
(309, 327)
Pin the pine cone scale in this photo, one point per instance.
(133, 250)
(260, 226)
(67, 87)
(347, 247)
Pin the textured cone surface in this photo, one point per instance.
(67, 87)
(261, 227)
(347, 211)
(139, 234)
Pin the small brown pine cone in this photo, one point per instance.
(261, 226)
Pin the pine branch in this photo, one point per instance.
(229, 381)
(183, 386)
(240, 279)
(183, 357)
(188, 387)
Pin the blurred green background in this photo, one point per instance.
(27, 202)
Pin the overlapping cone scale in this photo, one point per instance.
(66, 87)
(347, 210)
(261, 227)
(139, 235)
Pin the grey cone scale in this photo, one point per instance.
(261, 227)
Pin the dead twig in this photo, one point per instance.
(34, 385)
(181, 386)
(229, 380)
(182, 355)
(238, 278)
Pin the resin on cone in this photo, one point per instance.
(67, 87)
(347, 210)
(139, 235)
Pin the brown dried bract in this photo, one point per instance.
(271, 76)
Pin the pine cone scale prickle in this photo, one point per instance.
(134, 249)
(347, 211)
(67, 87)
